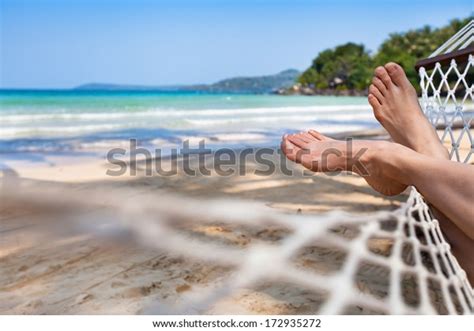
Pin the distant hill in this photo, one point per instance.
(257, 85)
(261, 84)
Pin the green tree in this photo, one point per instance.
(409, 47)
(344, 67)
(350, 66)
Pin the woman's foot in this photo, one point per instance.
(373, 160)
(395, 105)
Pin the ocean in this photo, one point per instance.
(78, 121)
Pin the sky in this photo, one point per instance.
(62, 44)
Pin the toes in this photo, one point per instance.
(295, 153)
(289, 149)
(377, 108)
(310, 137)
(378, 84)
(396, 73)
(317, 135)
(374, 102)
(304, 137)
(382, 74)
(297, 141)
(375, 92)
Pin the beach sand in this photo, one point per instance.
(77, 273)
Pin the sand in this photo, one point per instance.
(78, 273)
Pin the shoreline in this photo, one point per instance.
(59, 166)
(297, 90)
(92, 165)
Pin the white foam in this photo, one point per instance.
(282, 119)
(48, 131)
(234, 137)
(159, 112)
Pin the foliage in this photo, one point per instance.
(350, 66)
(344, 67)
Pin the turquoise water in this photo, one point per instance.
(39, 121)
(27, 101)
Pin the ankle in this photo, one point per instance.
(436, 150)
(362, 157)
(391, 159)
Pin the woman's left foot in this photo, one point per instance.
(319, 153)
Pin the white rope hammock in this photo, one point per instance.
(460, 40)
(418, 261)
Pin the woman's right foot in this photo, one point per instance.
(395, 105)
(375, 161)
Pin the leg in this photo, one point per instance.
(386, 164)
(395, 105)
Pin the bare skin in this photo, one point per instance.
(395, 105)
(390, 167)
(319, 153)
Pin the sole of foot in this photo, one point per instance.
(395, 104)
(369, 159)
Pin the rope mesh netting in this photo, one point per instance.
(388, 262)
(447, 100)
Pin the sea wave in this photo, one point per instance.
(160, 112)
(47, 131)
(340, 118)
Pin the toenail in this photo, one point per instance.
(391, 66)
(382, 73)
